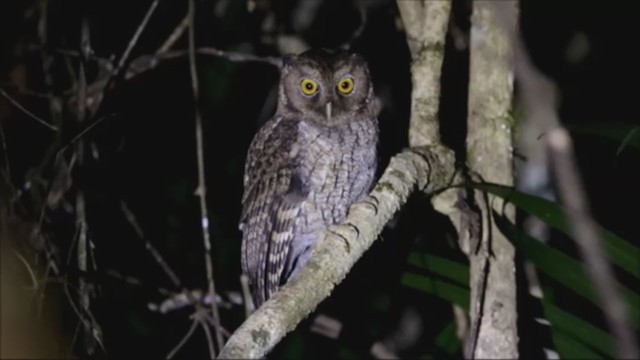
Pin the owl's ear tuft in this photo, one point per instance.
(288, 60)
(357, 57)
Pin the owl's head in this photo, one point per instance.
(329, 87)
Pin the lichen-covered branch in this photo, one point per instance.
(425, 23)
(493, 332)
(430, 168)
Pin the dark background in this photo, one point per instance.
(146, 151)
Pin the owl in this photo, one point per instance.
(307, 164)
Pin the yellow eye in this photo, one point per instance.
(345, 86)
(308, 87)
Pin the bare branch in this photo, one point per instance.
(201, 192)
(27, 112)
(131, 218)
(134, 39)
(175, 35)
(192, 298)
(338, 249)
(207, 332)
(539, 100)
(83, 289)
(183, 341)
(5, 152)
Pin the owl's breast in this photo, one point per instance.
(338, 164)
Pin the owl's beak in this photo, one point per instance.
(329, 110)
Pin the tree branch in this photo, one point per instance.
(27, 112)
(493, 331)
(430, 168)
(539, 99)
(425, 23)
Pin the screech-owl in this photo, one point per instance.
(307, 164)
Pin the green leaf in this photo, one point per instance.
(632, 139)
(628, 135)
(579, 329)
(569, 348)
(346, 353)
(447, 341)
(450, 269)
(561, 267)
(621, 252)
(442, 289)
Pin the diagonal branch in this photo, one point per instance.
(339, 248)
(27, 112)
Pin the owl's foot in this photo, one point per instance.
(373, 202)
(334, 230)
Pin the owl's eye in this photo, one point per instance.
(308, 87)
(345, 86)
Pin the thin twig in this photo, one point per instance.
(145, 63)
(539, 97)
(32, 275)
(27, 112)
(148, 62)
(5, 153)
(154, 252)
(201, 190)
(83, 290)
(103, 62)
(134, 40)
(176, 301)
(175, 35)
(240, 57)
(85, 50)
(83, 132)
(225, 333)
(55, 103)
(114, 75)
(86, 318)
(207, 332)
(186, 337)
(130, 280)
(81, 223)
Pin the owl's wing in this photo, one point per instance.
(271, 203)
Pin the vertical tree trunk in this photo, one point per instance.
(489, 155)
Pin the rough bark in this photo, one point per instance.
(425, 24)
(430, 168)
(489, 145)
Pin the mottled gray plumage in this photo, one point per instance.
(307, 164)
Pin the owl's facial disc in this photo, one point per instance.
(330, 88)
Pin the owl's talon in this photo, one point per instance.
(354, 228)
(346, 242)
(370, 203)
